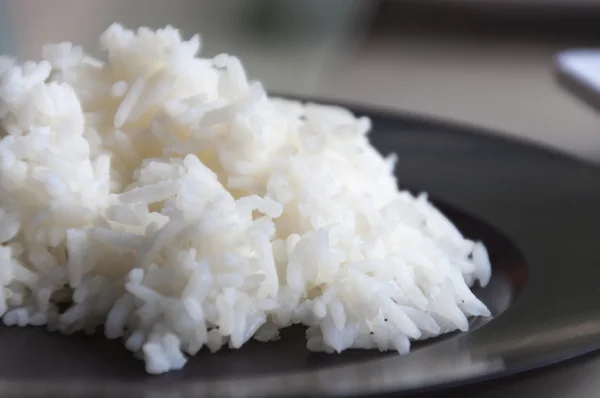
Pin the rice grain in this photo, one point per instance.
(167, 198)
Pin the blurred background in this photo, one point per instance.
(484, 62)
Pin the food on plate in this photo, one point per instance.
(169, 201)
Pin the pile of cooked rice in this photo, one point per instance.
(169, 200)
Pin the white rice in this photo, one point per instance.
(172, 202)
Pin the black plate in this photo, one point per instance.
(536, 210)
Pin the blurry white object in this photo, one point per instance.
(579, 72)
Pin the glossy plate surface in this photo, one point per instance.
(537, 211)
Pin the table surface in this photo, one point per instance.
(506, 86)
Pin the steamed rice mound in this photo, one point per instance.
(168, 199)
